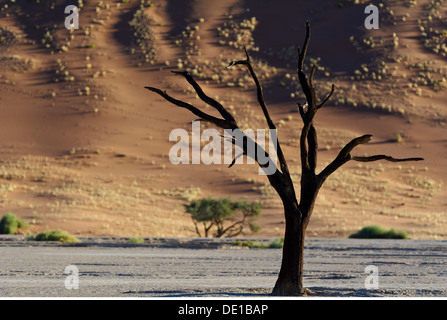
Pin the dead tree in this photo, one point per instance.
(297, 212)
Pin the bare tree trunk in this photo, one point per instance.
(290, 278)
(297, 216)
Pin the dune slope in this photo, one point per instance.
(85, 148)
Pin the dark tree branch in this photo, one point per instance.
(383, 157)
(301, 108)
(302, 53)
(311, 155)
(196, 227)
(207, 229)
(327, 98)
(235, 158)
(308, 138)
(213, 103)
(306, 85)
(303, 144)
(313, 148)
(343, 157)
(276, 179)
(260, 96)
(311, 80)
(232, 229)
(221, 123)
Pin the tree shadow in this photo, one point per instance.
(342, 292)
(233, 292)
(312, 292)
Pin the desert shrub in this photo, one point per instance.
(221, 216)
(10, 223)
(54, 235)
(250, 244)
(275, 244)
(136, 240)
(7, 37)
(143, 38)
(377, 232)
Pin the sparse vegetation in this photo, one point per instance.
(183, 193)
(238, 33)
(378, 232)
(10, 223)
(143, 39)
(431, 27)
(7, 37)
(235, 32)
(136, 240)
(16, 63)
(187, 40)
(275, 244)
(54, 235)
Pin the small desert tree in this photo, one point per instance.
(297, 212)
(226, 217)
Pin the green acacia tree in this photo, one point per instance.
(222, 216)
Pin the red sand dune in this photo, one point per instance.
(84, 147)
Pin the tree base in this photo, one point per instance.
(287, 287)
(292, 293)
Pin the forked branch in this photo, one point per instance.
(221, 123)
(345, 156)
(261, 101)
(260, 95)
(327, 98)
(213, 103)
(228, 121)
(306, 84)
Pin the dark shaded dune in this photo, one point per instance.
(179, 12)
(122, 28)
(282, 24)
(35, 17)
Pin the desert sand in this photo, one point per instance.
(85, 148)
